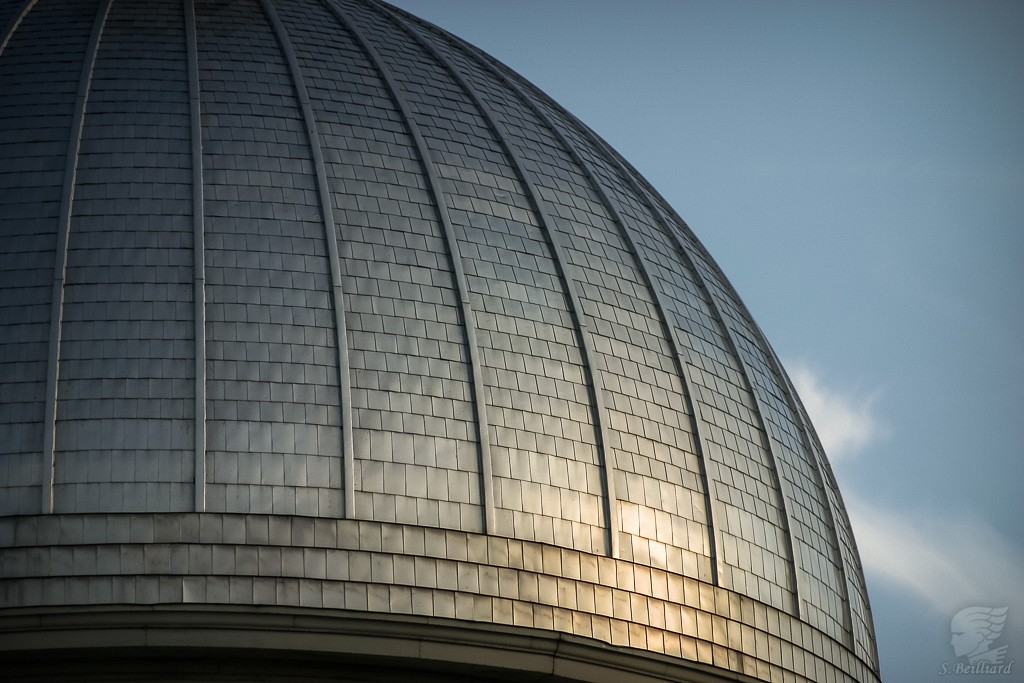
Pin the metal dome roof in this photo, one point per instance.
(313, 305)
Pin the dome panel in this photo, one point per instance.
(38, 104)
(318, 322)
(397, 281)
(126, 327)
(546, 465)
(273, 397)
(650, 439)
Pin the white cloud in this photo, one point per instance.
(944, 559)
(844, 423)
(949, 561)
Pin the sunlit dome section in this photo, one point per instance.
(329, 343)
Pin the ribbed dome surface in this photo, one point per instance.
(311, 304)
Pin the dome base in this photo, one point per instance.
(213, 643)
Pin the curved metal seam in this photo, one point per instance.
(670, 331)
(862, 591)
(15, 23)
(454, 253)
(608, 468)
(813, 447)
(638, 180)
(61, 256)
(198, 256)
(635, 177)
(337, 294)
(745, 371)
(668, 227)
(791, 393)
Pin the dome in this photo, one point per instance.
(328, 341)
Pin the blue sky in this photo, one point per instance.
(857, 169)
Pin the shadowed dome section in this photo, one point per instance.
(312, 311)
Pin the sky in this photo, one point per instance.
(857, 169)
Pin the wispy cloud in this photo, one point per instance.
(949, 561)
(845, 423)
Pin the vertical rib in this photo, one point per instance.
(14, 24)
(331, 235)
(699, 429)
(670, 224)
(784, 495)
(671, 228)
(468, 316)
(198, 255)
(608, 469)
(61, 257)
(809, 441)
